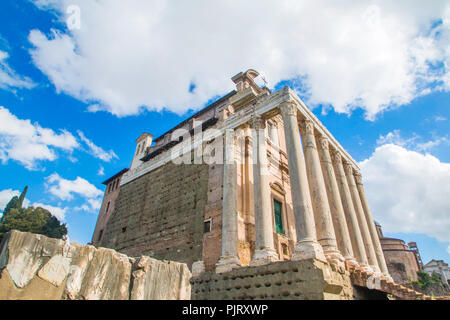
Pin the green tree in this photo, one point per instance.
(425, 279)
(16, 202)
(34, 220)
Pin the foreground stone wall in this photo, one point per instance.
(34, 267)
(161, 214)
(288, 280)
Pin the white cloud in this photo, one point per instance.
(408, 191)
(28, 143)
(147, 54)
(66, 189)
(96, 151)
(415, 142)
(58, 212)
(101, 171)
(5, 197)
(8, 78)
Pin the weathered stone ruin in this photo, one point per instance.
(34, 267)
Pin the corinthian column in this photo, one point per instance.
(372, 229)
(334, 199)
(321, 207)
(350, 214)
(265, 248)
(371, 256)
(307, 246)
(230, 254)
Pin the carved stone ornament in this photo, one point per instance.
(348, 168)
(258, 123)
(358, 177)
(308, 127)
(337, 157)
(324, 143)
(288, 109)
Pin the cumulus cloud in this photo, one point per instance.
(6, 196)
(58, 212)
(415, 142)
(408, 191)
(101, 171)
(28, 143)
(95, 150)
(65, 189)
(150, 54)
(9, 78)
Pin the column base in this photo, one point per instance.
(263, 257)
(350, 261)
(308, 249)
(198, 268)
(336, 258)
(376, 270)
(226, 264)
(366, 268)
(388, 277)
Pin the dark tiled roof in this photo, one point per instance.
(204, 110)
(115, 176)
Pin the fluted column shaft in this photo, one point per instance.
(307, 246)
(334, 197)
(372, 229)
(265, 247)
(230, 245)
(349, 210)
(321, 208)
(365, 233)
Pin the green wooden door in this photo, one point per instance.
(278, 216)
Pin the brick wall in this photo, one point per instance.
(161, 214)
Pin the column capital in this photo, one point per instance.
(324, 143)
(257, 123)
(307, 126)
(348, 168)
(358, 177)
(337, 158)
(288, 108)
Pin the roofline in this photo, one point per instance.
(115, 176)
(205, 109)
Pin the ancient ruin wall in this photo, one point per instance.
(34, 267)
(161, 214)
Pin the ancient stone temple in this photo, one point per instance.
(251, 179)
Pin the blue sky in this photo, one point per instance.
(88, 93)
